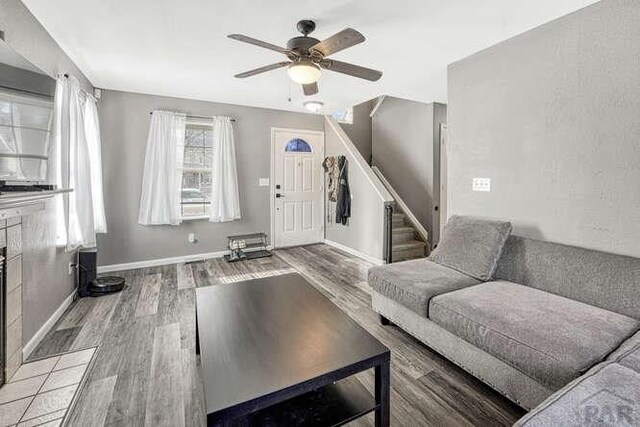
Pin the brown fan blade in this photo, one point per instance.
(256, 42)
(262, 69)
(337, 42)
(351, 70)
(310, 89)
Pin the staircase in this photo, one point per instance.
(406, 242)
(408, 236)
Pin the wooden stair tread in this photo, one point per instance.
(403, 229)
(411, 244)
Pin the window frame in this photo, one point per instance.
(183, 169)
(12, 97)
(344, 116)
(297, 141)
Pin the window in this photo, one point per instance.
(298, 145)
(196, 171)
(344, 116)
(25, 125)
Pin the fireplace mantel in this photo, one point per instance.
(24, 203)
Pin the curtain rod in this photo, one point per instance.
(66, 76)
(196, 117)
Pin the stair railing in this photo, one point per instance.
(403, 206)
(388, 232)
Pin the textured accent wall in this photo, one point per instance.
(553, 118)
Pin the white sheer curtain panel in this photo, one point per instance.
(75, 163)
(163, 161)
(94, 145)
(225, 200)
(59, 141)
(80, 226)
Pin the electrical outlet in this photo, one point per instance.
(192, 237)
(481, 184)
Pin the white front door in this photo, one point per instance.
(297, 187)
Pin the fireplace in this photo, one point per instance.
(10, 297)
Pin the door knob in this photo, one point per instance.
(278, 195)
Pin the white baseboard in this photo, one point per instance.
(354, 252)
(164, 261)
(44, 330)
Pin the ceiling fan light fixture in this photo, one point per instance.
(313, 106)
(304, 72)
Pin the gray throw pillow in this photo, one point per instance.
(472, 245)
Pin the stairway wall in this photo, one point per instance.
(359, 132)
(405, 147)
(364, 232)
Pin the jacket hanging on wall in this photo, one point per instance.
(331, 167)
(343, 206)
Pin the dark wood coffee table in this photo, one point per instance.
(275, 351)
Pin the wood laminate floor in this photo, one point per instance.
(146, 372)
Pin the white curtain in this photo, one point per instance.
(57, 150)
(72, 164)
(225, 200)
(162, 176)
(80, 225)
(94, 145)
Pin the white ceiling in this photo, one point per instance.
(180, 48)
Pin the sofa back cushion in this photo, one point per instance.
(601, 279)
(472, 245)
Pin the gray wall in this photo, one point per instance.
(364, 231)
(360, 130)
(124, 121)
(553, 118)
(46, 282)
(439, 118)
(27, 37)
(23, 80)
(403, 149)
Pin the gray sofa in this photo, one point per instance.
(527, 317)
(608, 394)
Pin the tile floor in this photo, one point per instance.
(41, 392)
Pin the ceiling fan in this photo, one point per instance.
(307, 56)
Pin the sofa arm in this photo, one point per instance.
(608, 394)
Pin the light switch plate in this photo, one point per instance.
(263, 182)
(481, 184)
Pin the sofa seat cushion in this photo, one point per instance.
(472, 245)
(609, 394)
(548, 337)
(414, 283)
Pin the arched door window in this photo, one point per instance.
(298, 145)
